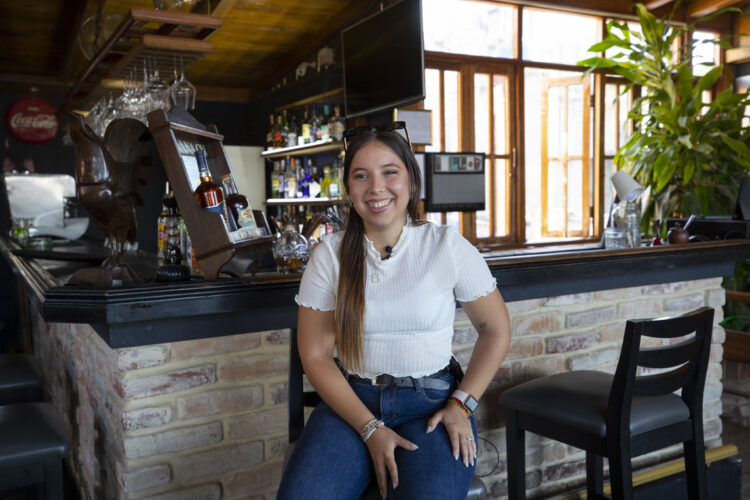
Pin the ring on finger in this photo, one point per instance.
(469, 438)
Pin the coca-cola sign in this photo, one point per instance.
(32, 120)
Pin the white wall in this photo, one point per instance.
(249, 173)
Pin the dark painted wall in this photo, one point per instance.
(56, 157)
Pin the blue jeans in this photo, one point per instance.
(330, 460)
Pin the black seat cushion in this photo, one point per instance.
(20, 371)
(31, 433)
(579, 399)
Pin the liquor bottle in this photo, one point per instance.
(277, 142)
(209, 194)
(284, 130)
(325, 131)
(306, 127)
(236, 202)
(281, 181)
(291, 180)
(314, 180)
(334, 185)
(305, 183)
(337, 125)
(275, 180)
(325, 184)
(269, 134)
(315, 125)
(292, 136)
(161, 231)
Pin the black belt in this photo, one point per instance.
(385, 380)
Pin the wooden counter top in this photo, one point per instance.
(154, 312)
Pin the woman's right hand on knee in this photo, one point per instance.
(382, 445)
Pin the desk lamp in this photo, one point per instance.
(626, 189)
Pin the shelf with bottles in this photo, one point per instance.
(304, 149)
(304, 201)
(305, 130)
(223, 241)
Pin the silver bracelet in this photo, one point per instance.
(369, 428)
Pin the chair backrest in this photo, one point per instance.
(684, 361)
(297, 396)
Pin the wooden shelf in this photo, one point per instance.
(154, 36)
(276, 202)
(316, 99)
(305, 149)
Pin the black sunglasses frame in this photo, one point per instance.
(379, 127)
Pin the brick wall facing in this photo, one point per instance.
(207, 419)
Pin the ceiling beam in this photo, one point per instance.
(655, 4)
(700, 8)
(223, 7)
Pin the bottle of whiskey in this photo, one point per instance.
(336, 125)
(235, 201)
(209, 194)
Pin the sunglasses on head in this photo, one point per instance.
(379, 127)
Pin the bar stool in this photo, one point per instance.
(298, 399)
(34, 441)
(21, 379)
(625, 415)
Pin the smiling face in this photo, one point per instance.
(378, 185)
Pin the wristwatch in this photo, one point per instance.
(466, 399)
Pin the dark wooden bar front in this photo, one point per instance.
(155, 313)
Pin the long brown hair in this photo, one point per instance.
(350, 300)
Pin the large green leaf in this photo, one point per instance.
(707, 81)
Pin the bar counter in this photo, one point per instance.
(179, 391)
(155, 312)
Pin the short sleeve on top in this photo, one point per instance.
(473, 277)
(317, 289)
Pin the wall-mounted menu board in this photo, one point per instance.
(218, 245)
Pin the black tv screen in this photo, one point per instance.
(383, 59)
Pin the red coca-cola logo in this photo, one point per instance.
(32, 120)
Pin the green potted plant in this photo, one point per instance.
(688, 154)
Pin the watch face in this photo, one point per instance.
(471, 403)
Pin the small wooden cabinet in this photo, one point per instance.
(177, 136)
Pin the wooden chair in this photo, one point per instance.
(625, 415)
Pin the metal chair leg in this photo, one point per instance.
(594, 475)
(516, 457)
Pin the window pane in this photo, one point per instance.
(610, 119)
(555, 208)
(465, 27)
(432, 102)
(451, 110)
(555, 123)
(575, 195)
(481, 113)
(575, 120)
(625, 105)
(704, 52)
(501, 198)
(451, 219)
(536, 80)
(500, 102)
(542, 39)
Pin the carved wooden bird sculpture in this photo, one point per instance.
(108, 174)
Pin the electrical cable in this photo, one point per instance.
(497, 452)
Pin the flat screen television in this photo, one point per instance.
(383, 57)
